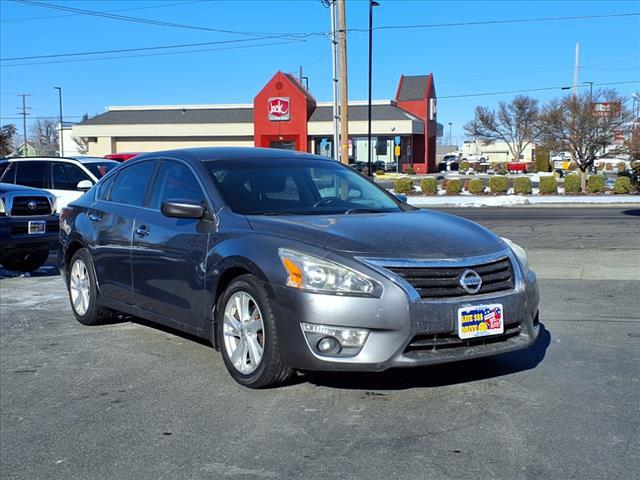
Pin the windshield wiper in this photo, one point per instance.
(272, 214)
(363, 210)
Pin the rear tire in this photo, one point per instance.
(83, 291)
(248, 335)
(25, 260)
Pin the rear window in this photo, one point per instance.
(99, 169)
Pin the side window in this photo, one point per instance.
(104, 188)
(175, 181)
(66, 176)
(31, 174)
(130, 186)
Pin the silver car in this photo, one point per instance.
(288, 261)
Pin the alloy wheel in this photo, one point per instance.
(79, 287)
(243, 332)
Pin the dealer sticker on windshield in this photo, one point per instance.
(480, 320)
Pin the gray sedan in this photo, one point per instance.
(288, 261)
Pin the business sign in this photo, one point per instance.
(279, 109)
(606, 109)
(433, 109)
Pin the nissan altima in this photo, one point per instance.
(289, 262)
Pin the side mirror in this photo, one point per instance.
(181, 209)
(402, 198)
(84, 185)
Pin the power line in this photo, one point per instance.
(148, 7)
(496, 22)
(147, 21)
(485, 94)
(125, 50)
(121, 57)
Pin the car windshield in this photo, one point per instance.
(99, 169)
(297, 187)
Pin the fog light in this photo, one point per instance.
(328, 345)
(348, 337)
(334, 341)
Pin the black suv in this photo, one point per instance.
(28, 227)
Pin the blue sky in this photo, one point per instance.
(464, 59)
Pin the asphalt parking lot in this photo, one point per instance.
(133, 400)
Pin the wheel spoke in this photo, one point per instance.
(255, 350)
(253, 325)
(245, 307)
(232, 323)
(239, 354)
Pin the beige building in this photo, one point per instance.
(497, 152)
(162, 127)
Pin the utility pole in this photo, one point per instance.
(60, 134)
(344, 97)
(336, 94)
(24, 112)
(576, 68)
(372, 3)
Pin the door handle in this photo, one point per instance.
(142, 231)
(95, 218)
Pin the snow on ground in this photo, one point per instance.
(511, 200)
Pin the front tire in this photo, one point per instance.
(83, 291)
(246, 327)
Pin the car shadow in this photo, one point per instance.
(49, 269)
(633, 212)
(439, 375)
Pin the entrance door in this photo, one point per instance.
(283, 144)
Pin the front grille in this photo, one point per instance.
(23, 228)
(20, 206)
(443, 341)
(444, 282)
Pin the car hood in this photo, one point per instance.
(413, 234)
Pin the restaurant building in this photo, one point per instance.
(283, 114)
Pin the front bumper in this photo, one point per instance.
(404, 331)
(14, 234)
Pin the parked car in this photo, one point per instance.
(121, 157)
(28, 227)
(289, 261)
(66, 178)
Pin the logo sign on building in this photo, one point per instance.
(279, 109)
(433, 109)
(606, 109)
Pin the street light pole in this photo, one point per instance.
(449, 133)
(372, 3)
(60, 135)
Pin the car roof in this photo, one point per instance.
(232, 153)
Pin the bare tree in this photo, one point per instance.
(571, 124)
(514, 123)
(45, 137)
(7, 132)
(82, 142)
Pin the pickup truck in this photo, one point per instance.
(28, 227)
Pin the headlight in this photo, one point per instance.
(316, 274)
(519, 252)
(2, 209)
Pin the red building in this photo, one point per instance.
(284, 114)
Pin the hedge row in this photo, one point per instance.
(521, 185)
